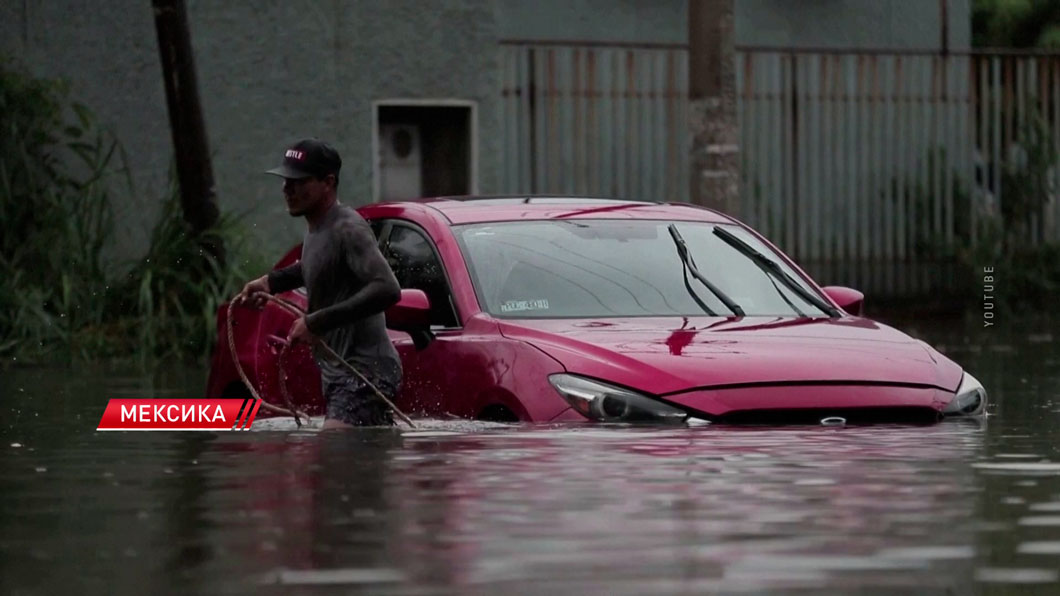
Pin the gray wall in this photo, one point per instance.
(269, 72)
(272, 71)
(800, 23)
(850, 23)
(639, 21)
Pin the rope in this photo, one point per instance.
(290, 410)
(283, 383)
(298, 312)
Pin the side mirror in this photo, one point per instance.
(848, 299)
(412, 314)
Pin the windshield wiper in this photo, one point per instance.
(682, 251)
(771, 267)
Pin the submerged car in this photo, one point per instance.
(547, 309)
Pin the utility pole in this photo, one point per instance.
(715, 157)
(194, 172)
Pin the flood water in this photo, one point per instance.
(463, 507)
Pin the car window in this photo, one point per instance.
(613, 268)
(377, 227)
(417, 266)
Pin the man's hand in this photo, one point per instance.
(300, 333)
(254, 293)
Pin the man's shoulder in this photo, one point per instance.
(347, 219)
(346, 213)
(350, 226)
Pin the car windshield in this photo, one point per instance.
(620, 268)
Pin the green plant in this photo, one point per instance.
(174, 291)
(55, 162)
(1027, 272)
(1026, 179)
(59, 299)
(1016, 23)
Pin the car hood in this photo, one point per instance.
(669, 355)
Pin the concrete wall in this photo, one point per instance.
(637, 21)
(273, 71)
(800, 23)
(851, 23)
(270, 72)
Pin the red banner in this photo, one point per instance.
(179, 414)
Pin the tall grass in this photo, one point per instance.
(54, 168)
(173, 292)
(59, 298)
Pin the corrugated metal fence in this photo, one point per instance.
(595, 119)
(870, 168)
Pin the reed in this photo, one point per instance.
(56, 165)
(173, 292)
(60, 299)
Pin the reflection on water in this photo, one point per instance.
(458, 506)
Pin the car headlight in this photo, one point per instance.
(600, 401)
(970, 399)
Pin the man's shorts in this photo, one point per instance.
(354, 402)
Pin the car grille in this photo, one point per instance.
(890, 415)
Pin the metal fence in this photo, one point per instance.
(870, 168)
(595, 119)
(873, 169)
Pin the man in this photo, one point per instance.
(349, 284)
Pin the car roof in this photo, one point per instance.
(483, 209)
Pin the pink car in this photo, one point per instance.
(545, 309)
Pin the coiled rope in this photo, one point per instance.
(290, 410)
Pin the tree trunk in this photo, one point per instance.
(712, 106)
(194, 172)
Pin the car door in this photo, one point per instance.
(450, 375)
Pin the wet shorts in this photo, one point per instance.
(352, 401)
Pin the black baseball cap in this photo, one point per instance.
(310, 157)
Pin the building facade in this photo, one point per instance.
(442, 97)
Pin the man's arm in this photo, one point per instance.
(380, 288)
(288, 278)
